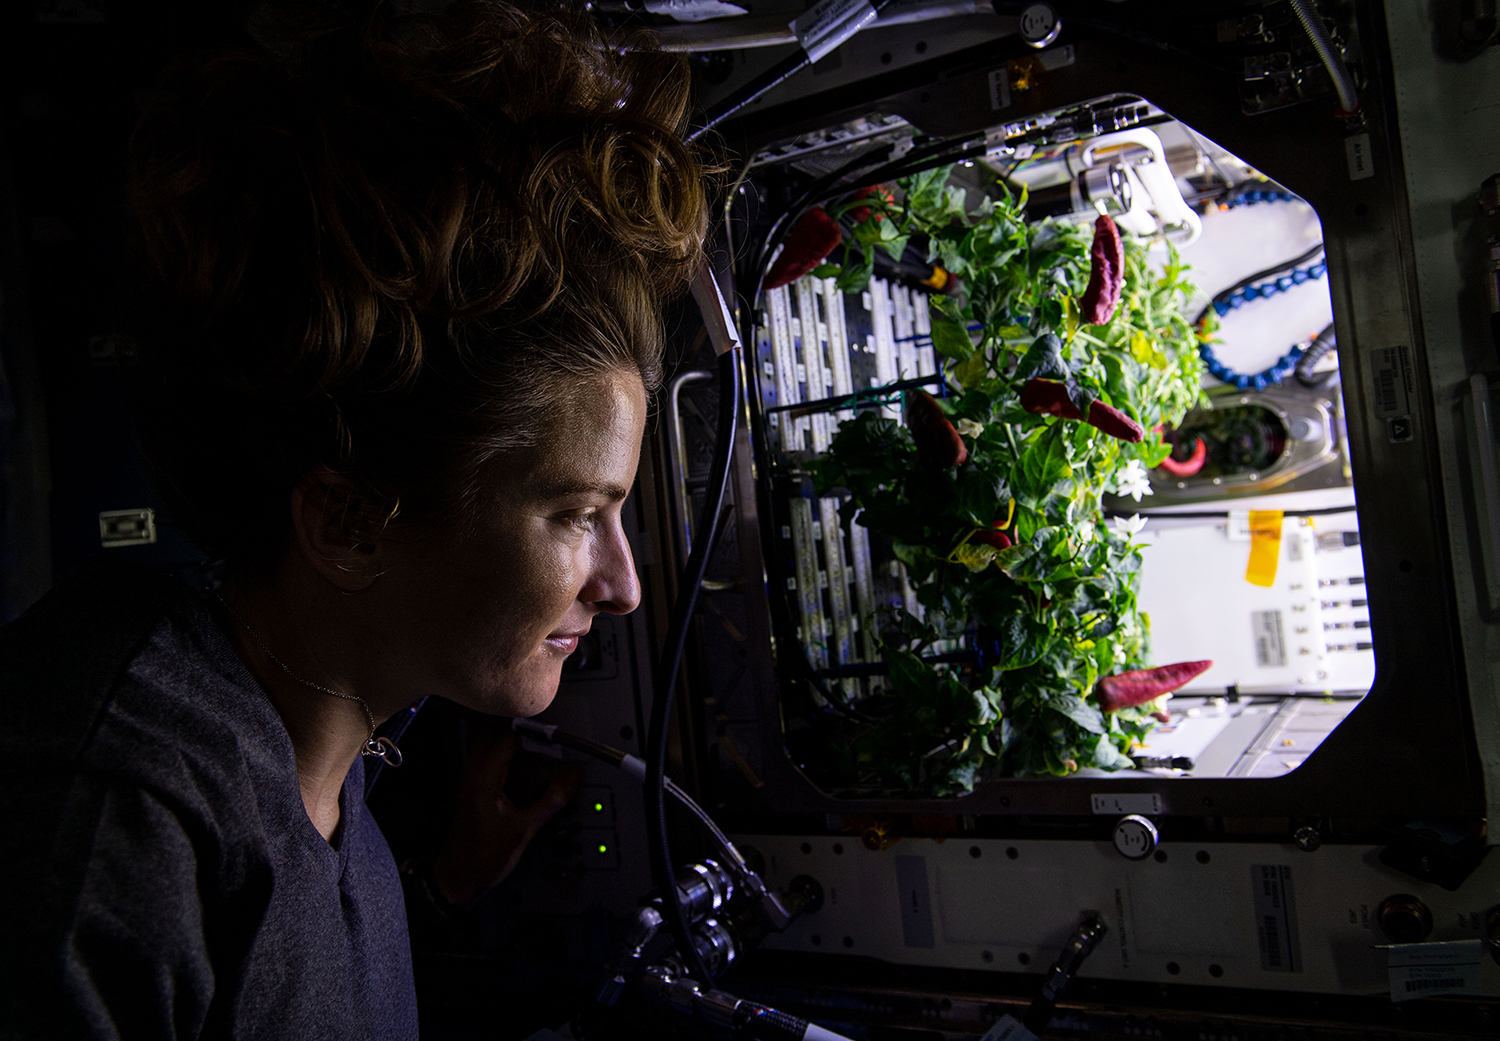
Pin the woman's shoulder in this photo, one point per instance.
(121, 672)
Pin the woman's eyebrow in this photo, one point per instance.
(563, 489)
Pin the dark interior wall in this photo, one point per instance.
(73, 77)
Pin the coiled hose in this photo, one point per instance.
(1343, 82)
(1316, 352)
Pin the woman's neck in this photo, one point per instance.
(298, 644)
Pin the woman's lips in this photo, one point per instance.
(565, 643)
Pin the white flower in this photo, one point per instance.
(1127, 527)
(1132, 481)
(970, 429)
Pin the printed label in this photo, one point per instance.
(999, 90)
(825, 25)
(1122, 803)
(1007, 1029)
(1270, 647)
(1425, 970)
(1430, 969)
(1276, 918)
(1357, 152)
(916, 903)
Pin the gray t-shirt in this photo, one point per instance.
(190, 895)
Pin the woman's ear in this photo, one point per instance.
(338, 528)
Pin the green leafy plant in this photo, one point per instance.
(1055, 609)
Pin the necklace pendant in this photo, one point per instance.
(384, 749)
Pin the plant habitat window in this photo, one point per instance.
(1058, 476)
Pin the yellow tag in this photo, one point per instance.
(1265, 547)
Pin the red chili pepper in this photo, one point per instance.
(998, 539)
(812, 239)
(862, 213)
(1051, 398)
(1106, 273)
(1129, 689)
(1189, 466)
(939, 446)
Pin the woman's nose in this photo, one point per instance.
(614, 585)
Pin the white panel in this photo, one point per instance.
(784, 360)
(814, 359)
(887, 369)
(838, 343)
(809, 591)
(1194, 915)
(841, 638)
(1194, 591)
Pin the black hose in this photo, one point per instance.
(658, 842)
(1316, 352)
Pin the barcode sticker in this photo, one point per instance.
(1270, 645)
(1391, 390)
(1425, 970)
(1276, 918)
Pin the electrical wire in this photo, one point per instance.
(658, 841)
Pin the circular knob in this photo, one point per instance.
(1404, 918)
(1135, 837)
(1306, 430)
(1039, 25)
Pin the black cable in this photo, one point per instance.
(1264, 273)
(658, 842)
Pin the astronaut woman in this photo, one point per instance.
(399, 327)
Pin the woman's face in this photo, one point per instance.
(489, 615)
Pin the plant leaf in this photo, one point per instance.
(951, 339)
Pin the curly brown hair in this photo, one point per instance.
(390, 245)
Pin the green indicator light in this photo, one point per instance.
(603, 849)
(598, 807)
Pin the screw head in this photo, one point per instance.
(1307, 838)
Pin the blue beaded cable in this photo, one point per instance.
(1284, 365)
(1261, 380)
(1237, 299)
(1258, 195)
